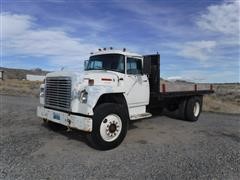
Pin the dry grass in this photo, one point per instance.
(16, 87)
(213, 104)
(226, 99)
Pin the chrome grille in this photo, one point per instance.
(58, 93)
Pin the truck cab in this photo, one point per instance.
(116, 86)
(120, 74)
(113, 85)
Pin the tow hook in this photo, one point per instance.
(68, 127)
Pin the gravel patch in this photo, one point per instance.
(157, 148)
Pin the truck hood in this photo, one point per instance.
(75, 76)
(103, 77)
(100, 77)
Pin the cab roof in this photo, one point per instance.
(115, 51)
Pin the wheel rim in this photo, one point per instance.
(196, 109)
(111, 127)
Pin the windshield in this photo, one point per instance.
(113, 62)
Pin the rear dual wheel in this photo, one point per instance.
(191, 108)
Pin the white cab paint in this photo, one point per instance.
(134, 87)
(137, 90)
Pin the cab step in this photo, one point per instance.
(140, 116)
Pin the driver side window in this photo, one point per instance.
(95, 65)
(134, 66)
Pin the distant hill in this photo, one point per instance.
(10, 73)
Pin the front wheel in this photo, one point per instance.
(110, 124)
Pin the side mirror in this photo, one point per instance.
(86, 64)
(147, 65)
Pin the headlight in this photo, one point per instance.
(83, 96)
(42, 90)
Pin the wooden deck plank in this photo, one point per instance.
(180, 86)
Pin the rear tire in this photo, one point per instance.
(172, 107)
(110, 124)
(182, 109)
(193, 108)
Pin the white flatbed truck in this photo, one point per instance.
(116, 87)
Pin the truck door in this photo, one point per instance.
(136, 84)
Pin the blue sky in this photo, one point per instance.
(197, 40)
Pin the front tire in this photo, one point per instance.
(110, 124)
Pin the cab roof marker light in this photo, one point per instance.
(99, 49)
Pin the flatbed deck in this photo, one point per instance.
(168, 86)
(160, 88)
(170, 89)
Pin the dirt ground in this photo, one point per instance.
(157, 148)
(15, 87)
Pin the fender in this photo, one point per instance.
(95, 92)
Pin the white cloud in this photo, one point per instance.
(223, 21)
(203, 75)
(157, 18)
(174, 78)
(200, 50)
(21, 37)
(208, 76)
(85, 22)
(13, 24)
(144, 8)
(222, 18)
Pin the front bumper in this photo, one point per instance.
(67, 119)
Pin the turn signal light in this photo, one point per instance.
(106, 79)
